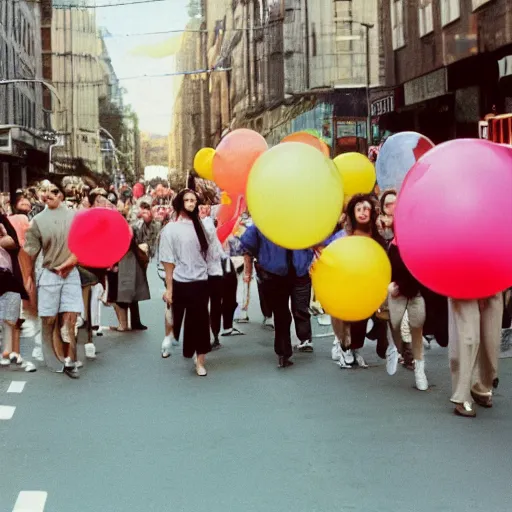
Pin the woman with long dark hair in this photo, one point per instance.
(186, 246)
(361, 221)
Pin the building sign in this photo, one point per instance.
(505, 66)
(426, 87)
(383, 106)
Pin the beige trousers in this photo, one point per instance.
(475, 330)
(415, 309)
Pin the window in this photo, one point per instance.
(478, 3)
(450, 11)
(425, 17)
(397, 24)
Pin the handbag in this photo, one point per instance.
(87, 278)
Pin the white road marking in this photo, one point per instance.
(30, 501)
(16, 386)
(6, 412)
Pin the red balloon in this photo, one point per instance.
(234, 158)
(453, 219)
(224, 230)
(225, 213)
(99, 237)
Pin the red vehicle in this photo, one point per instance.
(496, 128)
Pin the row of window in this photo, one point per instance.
(22, 28)
(24, 110)
(450, 11)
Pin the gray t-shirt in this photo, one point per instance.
(48, 233)
(180, 246)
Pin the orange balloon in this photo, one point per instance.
(308, 139)
(234, 158)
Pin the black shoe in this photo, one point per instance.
(139, 327)
(72, 372)
(284, 362)
(216, 345)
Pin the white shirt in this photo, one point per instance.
(180, 246)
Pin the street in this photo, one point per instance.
(138, 433)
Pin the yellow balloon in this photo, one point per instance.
(351, 278)
(357, 172)
(294, 195)
(203, 163)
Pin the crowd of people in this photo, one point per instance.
(45, 293)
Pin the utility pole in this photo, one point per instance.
(205, 86)
(369, 136)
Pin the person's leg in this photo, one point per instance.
(178, 310)
(215, 296)
(486, 370)
(265, 302)
(229, 302)
(90, 349)
(135, 322)
(301, 296)
(196, 335)
(341, 351)
(121, 309)
(397, 307)
(357, 337)
(417, 315)
(466, 318)
(277, 290)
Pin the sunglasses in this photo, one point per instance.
(54, 191)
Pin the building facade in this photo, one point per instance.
(76, 73)
(25, 129)
(448, 63)
(286, 65)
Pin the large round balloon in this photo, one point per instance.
(453, 219)
(357, 172)
(99, 237)
(295, 195)
(203, 163)
(234, 158)
(397, 155)
(351, 278)
(309, 139)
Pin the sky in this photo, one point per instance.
(151, 98)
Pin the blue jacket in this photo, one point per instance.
(273, 258)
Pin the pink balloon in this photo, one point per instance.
(224, 230)
(99, 237)
(138, 190)
(234, 158)
(453, 219)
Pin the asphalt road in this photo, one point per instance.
(140, 434)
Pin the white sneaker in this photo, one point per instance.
(336, 350)
(347, 356)
(37, 354)
(243, 318)
(29, 367)
(305, 346)
(391, 359)
(15, 358)
(5, 361)
(166, 348)
(268, 323)
(419, 375)
(79, 365)
(360, 360)
(68, 363)
(90, 351)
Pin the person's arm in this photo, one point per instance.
(169, 272)
(65, 269)
(248, 267)
(6, 242)
(33, 246)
